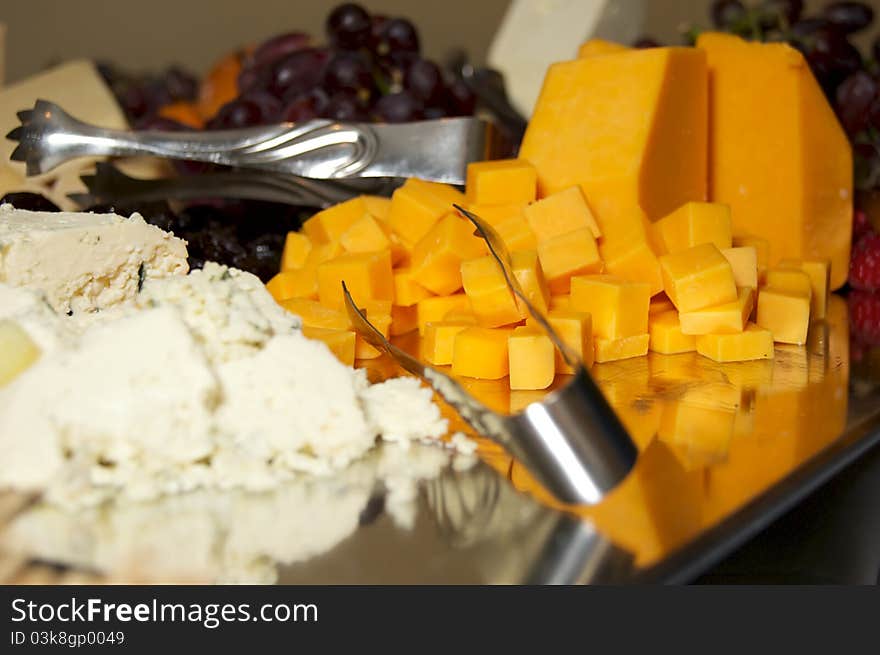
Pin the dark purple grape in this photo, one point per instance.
(875, 49)
(270, 106)
(773, 14)
(236, 114)
(252, 78)
(461, 100)
(34, 202)
(377, 26)
(348, 71)
(398, 108)
(298, 72)
(344, 106)
(277, 47)
(808, 26)
(433, 113)
(849, 17)
(398, 35)
(305, 107)
(874, 114)
(727, 13)
(854, 98)
(134, 101)
(180, 85)
(646, 42)
(424, 80)
(832, 59)
(348, 27)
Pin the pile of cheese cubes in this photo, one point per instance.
(412, 262)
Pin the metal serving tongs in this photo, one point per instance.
(572, 441)
(436, 150)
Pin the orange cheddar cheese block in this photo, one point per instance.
(329, 224)
(744, 262)
(481, 353)
(415, 207)
(609, 350)
(496, 214)
(436, 258)
(316, 315)
(439, 341)
(762, 252)
(340, 342)
(728, 318)
(660, 304)
(793, 280)
(698, 277)
(779, 157)
(404, 320)
(366, 234)
(501, 181)
(628, 146)
(752, 343)
(819, 273)
(528, 273)
(293, 284)
(367, 276)
(567, 255)
(560, 302)
(297, 247)
(531, 359)
(785, 313)
(576, 331)
(596, 47)
(632, 259)
(619, 308)
(407, 292)
(436, 308)
(516, 233)
(491, 300)
(377, 206)
(666, 335)
(692, 224)
(560, 213)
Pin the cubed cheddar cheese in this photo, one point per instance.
(596, 47)
(437, 346)
(560, 302)
(437, 257)
(619, 308)
(564, 256)
(316, 315)
(367, 275)
(698, 277)
(576, 331)
(379, 316)
(463, 314)
(404, 320)
(560, 213)
(340, 342)
(17, 351)
(437, 307)
(366, 234)
(785, 313)
(501, 181)
(632, 259)
(495, 214)
(329, 224)
(609, 350)
(407, 292)
(762, 252)
(531, 359)
(793, 280)
(721, 319)
(297, 247)
(293, 284)
(481, 353)
(528, 272)
(752, 343)
(820, 280)
(744, 262)
(415, 208)
(516, 233)
(693, 224)
(491, 300)
(378, 207)
(666, 335)
(660, 304)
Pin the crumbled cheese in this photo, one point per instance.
(403, 410)
(32, 311)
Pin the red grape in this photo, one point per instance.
(727, 13)
(279, 46)
(180, 85)
(399, 35)
(297, 72)
(849, 17)
(854, 98)
(778, 13)
(268, 104)
(461, 99)
(305, 106)
(398, 108)
(235, 114)
(424, 80)
(348, 71)
(348, 27)
(343, 106)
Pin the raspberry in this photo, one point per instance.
(861, 225)
(864, 317)
(864, 265)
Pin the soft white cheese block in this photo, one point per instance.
(537, 33)
(84, 262)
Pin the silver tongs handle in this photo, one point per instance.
(434, 150)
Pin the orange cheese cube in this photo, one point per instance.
(436, 308)
(316, 315)
(407, 291)
(437, 257)
(481, 353)
(762, 252)
(297, 247)
(560, 213)
(660, 304)
(793, 280)
(567, 255)
(634, 260)
(378, 207)
(576, 331)
(752, 343)
(666, 335)
(415, 208)
(785, 314)
(528, 272)
(744, 262)
(692, 224)
(495, 214)
(329, 224)
(340, 342)
(501, 181)
(596, 47)
(820, 280)
(367, 276)
(437, 346)
(491, 300)
(293, 284)
(462, 314)
(698, 277)
(516, 233)
(379, 320)
(560, 302)
(609, 350)
(721, 319)
(531, 359)
(404, 320)
(366, 234)
(628, 146)
(780, 158)
(619, 308)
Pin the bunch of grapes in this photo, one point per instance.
(143, 96)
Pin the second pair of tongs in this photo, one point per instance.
(572, 441)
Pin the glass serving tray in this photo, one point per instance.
(724, 450)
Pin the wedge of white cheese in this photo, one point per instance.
(84, 262)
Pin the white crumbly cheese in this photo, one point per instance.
(84, 262)
(403, 410)
(32, 311)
